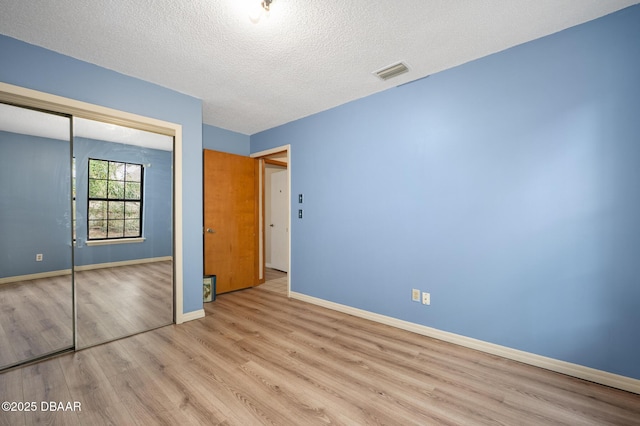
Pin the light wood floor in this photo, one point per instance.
(260, 358)
(36, 315)
(275, 281)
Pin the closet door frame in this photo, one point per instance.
(21, 96)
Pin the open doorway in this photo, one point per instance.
(275, 216)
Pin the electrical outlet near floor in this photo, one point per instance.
(415, 295)
(426, 298)
(39, 257)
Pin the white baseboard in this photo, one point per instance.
(28, 277)
(122, 263)
(190, 316)
(575, 370)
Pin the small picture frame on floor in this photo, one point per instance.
(209, 288)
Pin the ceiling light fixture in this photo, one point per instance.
(258, 9)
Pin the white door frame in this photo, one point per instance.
(259, 155)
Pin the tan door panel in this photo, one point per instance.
(230, 220)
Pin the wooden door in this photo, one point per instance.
(230, 220)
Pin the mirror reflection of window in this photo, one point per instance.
(115, 200)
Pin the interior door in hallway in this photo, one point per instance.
(230, 220)
(279, 241)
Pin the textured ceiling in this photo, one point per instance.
(305, 57)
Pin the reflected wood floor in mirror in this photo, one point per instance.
(260, 358)
(112, 302)
(35, 318)
(124, 300)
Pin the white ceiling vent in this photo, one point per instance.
(392, 71)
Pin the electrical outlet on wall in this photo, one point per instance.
(426, 298)
(415, 295)
(39, 257)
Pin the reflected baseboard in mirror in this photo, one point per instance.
(35, 319)
(121, 301)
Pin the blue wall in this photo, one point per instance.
(35, 177)
(506, 187)
(223, 140)
(44, 70)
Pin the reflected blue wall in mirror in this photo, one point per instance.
(27, 165)
(157, 202)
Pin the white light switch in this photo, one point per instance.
(415, 295)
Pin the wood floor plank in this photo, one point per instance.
(271, 274)
(89, 385)
(226, 382)
(11, 390)
(113, 358)
(259, 358)
(319, 368)
(45, 383)
(145, 401)
(292, 388)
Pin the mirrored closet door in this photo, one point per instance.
(36, 259)
(124, 231)
(86, 233)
